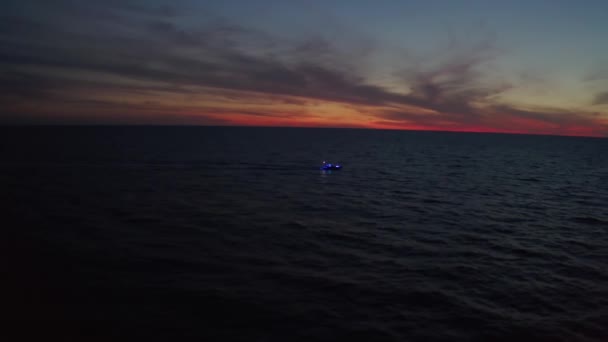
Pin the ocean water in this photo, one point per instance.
(234, 234)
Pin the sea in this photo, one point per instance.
(235, 234)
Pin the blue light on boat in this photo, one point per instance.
(330, 166)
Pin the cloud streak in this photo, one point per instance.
(601, 98)
(219, 71)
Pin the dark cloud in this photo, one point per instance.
(551, 121)
(229, 57)
(454, 88)
(499, 117)
(215, 60)
(314, 47)
(23, 86)
(114, 118)
(46, 57)
(601, 98)
(598, 74)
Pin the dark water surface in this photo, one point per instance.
(234, 234)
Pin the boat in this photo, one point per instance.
(329, 166)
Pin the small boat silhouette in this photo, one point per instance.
(330, 166)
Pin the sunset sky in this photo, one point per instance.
(515, 66)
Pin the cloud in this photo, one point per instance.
(448, 93)
(503, 117)
(24, 86)
(596, 75)
(231, 57)
(601, 98)
(456, 93)
(215, 60)
(130, 49)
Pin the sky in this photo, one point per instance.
(537, 67)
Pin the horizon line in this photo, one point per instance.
(92, 125)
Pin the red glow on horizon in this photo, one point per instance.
(311, 116)
(532, 127)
